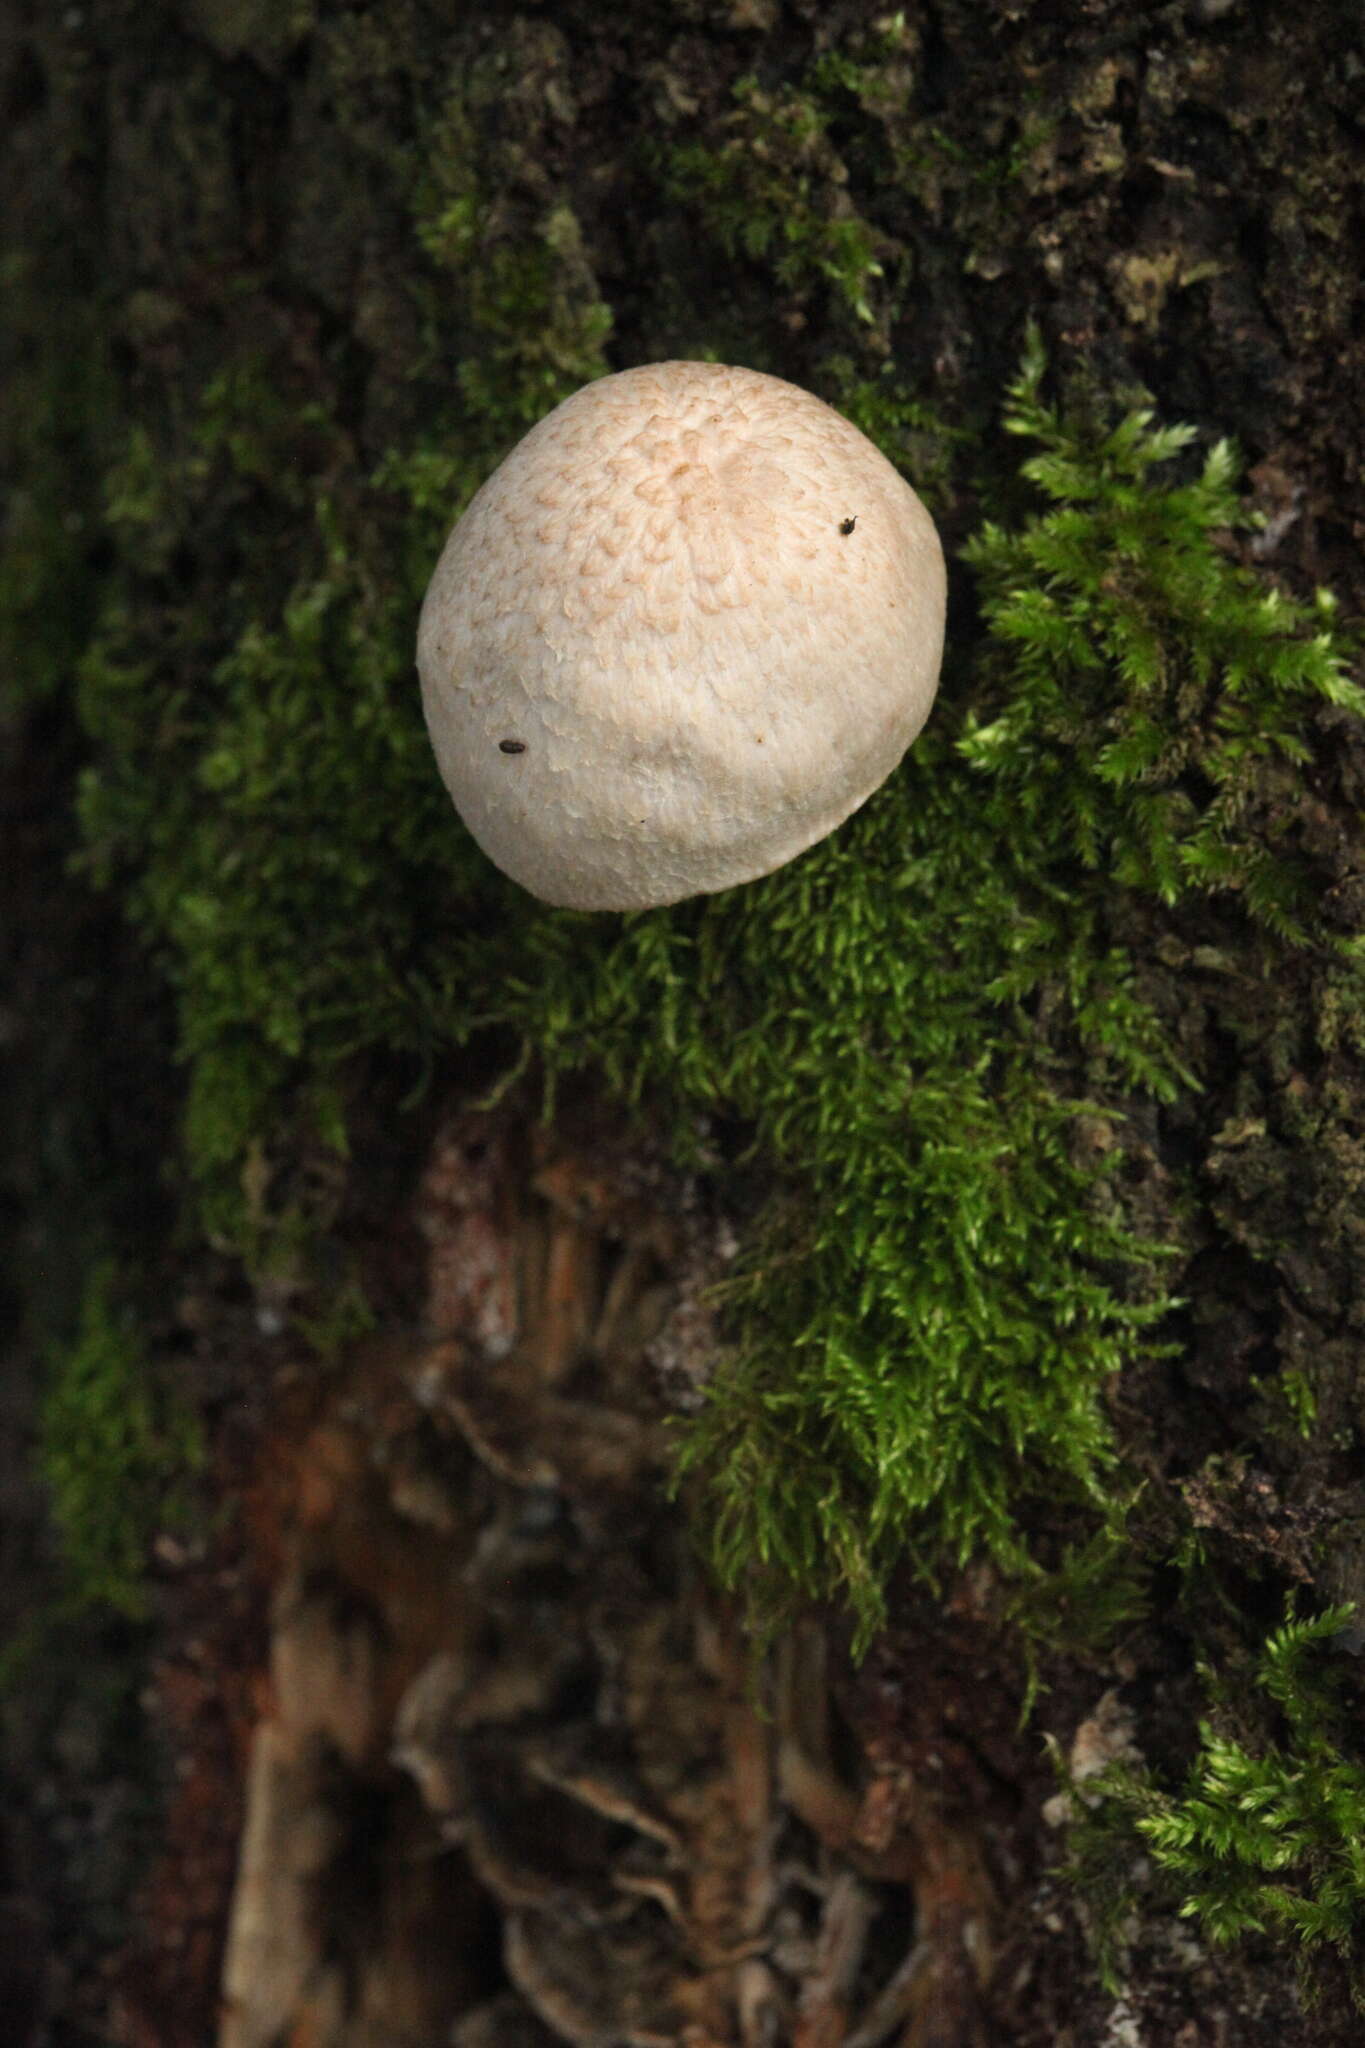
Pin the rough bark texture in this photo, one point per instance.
(450, 1735)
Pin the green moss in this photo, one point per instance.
(117, 1444)
(528, 291)
(1173, 778)
(1273, 1839)
(1267, 1834)
(772, 189)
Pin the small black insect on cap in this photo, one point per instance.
(847, 525)
(511, 746)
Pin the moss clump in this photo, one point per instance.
(117, 1447)
(1265, 1835)
(774, 189)
(1146, 688)
(509, 270)
(928, 1024)
(1271, 1838)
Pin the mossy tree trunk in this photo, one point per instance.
(977, 1204)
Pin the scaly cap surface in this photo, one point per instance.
(688, 625)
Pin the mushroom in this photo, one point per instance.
(689, 624)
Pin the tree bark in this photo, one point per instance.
(457, 1737)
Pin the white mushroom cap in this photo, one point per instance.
(690, 623)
